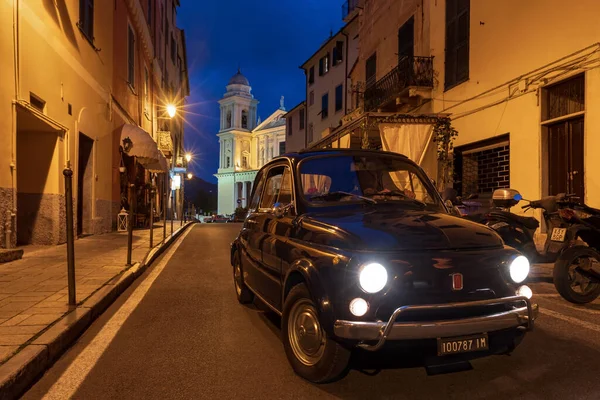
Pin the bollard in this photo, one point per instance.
(68, 173)
(130, 224)
(152, 193)
(164, 208)
(172, 210)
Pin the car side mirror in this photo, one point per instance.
(279, 210)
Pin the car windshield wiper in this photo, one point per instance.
(403, 195)
(339, 193)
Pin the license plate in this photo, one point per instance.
(558, 234)
(462, 344)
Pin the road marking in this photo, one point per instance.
(572, 320)
(72, 378)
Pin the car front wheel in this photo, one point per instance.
(311, 352)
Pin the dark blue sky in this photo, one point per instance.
(270, 39)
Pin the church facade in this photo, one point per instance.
(246, 144)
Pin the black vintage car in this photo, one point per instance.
(355, 249)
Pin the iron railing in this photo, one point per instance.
(410, 71)
(348, 7)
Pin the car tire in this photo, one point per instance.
(315, 357)
(563, 280)
(243, 294)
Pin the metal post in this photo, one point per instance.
(172, 208)
(68, 173)
(164, 208)
(182, 218)
(130, 224)
(152, 194)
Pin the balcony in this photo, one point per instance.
(349, 9)
(411, 72)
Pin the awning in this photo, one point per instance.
(411, 140)
(144, 148)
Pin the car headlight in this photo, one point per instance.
(519, 269)
(373, 277)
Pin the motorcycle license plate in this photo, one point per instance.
(558, 234)
(462, 344)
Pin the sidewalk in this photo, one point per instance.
(33, 290)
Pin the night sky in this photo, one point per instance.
(269, 39)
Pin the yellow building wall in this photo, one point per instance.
(59, 65)
(509, 39)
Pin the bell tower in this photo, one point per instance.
(238, 119)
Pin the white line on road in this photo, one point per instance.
(571, 320)
(69, 382)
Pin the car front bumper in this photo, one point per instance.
(380, 332)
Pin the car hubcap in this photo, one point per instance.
(306, 336)
(237, 278)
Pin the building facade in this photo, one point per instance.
(65, 95)
(516, 88)
(296, 138)
(328, 87)
(246, 144)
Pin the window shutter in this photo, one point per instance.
(321, 67)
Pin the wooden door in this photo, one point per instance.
(565, 161)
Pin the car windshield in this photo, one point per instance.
(369, 179)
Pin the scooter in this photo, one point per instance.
(572, 244)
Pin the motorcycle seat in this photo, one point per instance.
(528, 222)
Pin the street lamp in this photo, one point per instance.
(188, 157)
(189, 175)
(171, 110)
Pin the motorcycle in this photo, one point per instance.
(572, 243)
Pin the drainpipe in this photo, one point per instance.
(10, 214)
(346, 74)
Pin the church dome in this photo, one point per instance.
(239, 79)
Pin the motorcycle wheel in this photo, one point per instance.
(569, 283)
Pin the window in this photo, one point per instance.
(149, 14)
(324, 65)
(457, 42)
(146, 91)
(339, 97)
(244, 119)
(258, 185)
(228, 164)
(310, 133)
(338, 53)
(281, 148)
(290, 122)
(371, 70)
(325, 106)
(245, 162)
(311, 75)
(311, 98)
(302, 118)
(86, 18)
(130, 56)
(173, 49)
(564, 98)
(278, 188)
(228, 120)
(406, 39)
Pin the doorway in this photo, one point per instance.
(565, 158)
(84, 185)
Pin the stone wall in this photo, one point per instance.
(40, 218)
(6, 205)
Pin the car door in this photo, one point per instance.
(268, 233)
(250, 235)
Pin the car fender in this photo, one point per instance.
(311, 277)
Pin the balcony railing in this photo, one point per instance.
(411, 71)
(348, 8)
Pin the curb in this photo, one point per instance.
(24, 368)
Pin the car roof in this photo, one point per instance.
(320, 152)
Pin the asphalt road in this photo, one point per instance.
(179, 332)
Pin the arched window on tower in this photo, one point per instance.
(228, 125)
(244, 119)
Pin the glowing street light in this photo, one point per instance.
(171, 110)
(189, 175)
(188, 157)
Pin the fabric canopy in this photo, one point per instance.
(144, 148)
(408, 139)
